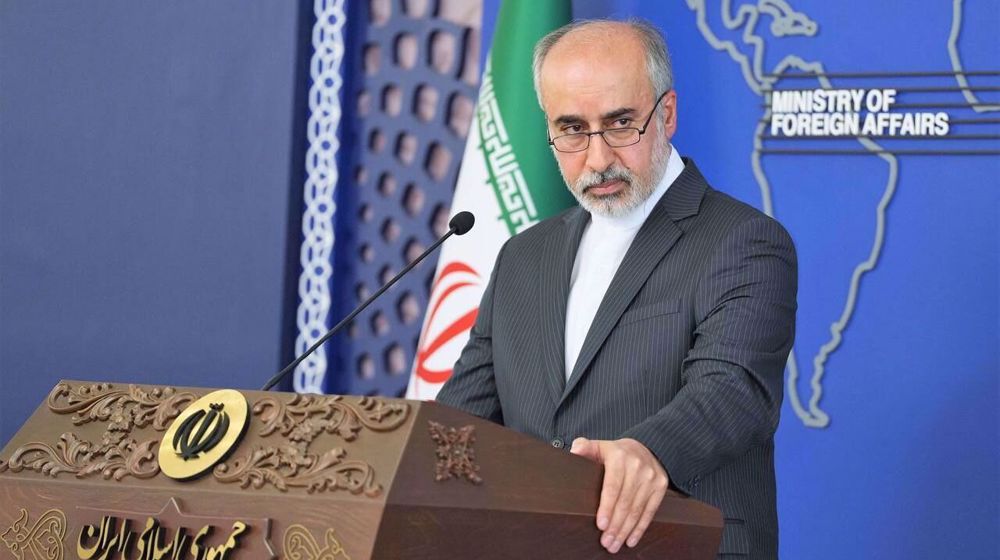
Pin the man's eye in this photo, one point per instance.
(623, 122)
(573, 128)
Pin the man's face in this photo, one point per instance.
(594, 80)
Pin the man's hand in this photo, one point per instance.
(634, 486)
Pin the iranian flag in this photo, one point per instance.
(509, 180)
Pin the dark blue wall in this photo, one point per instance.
(147, 152)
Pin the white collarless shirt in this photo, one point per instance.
(602, 248)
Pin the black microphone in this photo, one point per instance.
(460, 224)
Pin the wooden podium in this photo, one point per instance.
(301, 477)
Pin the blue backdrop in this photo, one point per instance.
(151, 171)
(150, 158)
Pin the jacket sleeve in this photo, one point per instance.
(732, 377)
(472, 386)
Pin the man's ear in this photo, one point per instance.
(669, 104)
(669, 116)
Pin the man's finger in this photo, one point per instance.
(633, 513)
(586, 448)
(617, 531)
(614, 477)
(655, 499)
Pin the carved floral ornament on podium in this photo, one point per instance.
(133, 433)
(286, 465)
(147, 429)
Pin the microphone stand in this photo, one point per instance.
(459, 228)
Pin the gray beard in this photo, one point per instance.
(637, 189)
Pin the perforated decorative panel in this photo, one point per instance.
(412, 72)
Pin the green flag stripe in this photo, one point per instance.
(522, 172)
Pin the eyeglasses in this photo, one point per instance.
(615, 137)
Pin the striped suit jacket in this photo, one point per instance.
(686, 353)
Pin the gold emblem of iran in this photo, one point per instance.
(203, 434)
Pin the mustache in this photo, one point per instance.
(595, 178)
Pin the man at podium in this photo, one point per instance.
(648, 327)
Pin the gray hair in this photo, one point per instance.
(658, 67)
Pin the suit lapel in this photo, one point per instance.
(655, 238)
(555, 268)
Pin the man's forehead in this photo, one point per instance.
(594, 95)
(585, 53)
(588, 73)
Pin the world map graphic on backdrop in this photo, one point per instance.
(807, 364)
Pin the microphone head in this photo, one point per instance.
(462, 222)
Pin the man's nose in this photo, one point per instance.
(600, 156)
